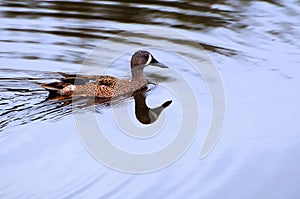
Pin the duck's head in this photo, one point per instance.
(143, 58)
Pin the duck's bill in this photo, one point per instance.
(161, 65)
(154, 62)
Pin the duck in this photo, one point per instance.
(105, 87)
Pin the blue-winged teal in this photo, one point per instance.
(105, 86)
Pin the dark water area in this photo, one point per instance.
(254, 46)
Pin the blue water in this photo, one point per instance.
(253, 44)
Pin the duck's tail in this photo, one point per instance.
(55, 86)
(58, 90)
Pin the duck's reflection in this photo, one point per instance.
(147, 115)
(143, 113)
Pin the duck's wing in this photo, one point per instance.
(71, 79)
(107, 80)
(79, 79)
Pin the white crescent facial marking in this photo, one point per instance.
(149, 59)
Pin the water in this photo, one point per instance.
(253, 44)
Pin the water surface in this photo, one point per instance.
(254, 45)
